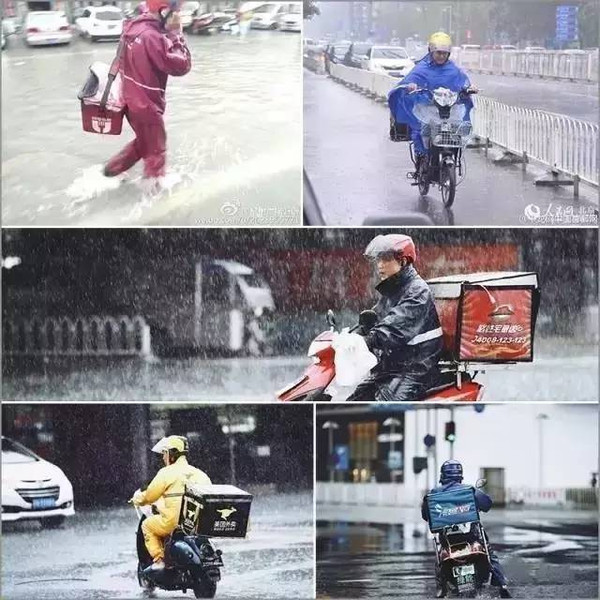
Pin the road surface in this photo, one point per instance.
(570, 378)
(545, 554)
(93, 556)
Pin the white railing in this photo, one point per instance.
(398, 494)
(367, 494)
(558, 142)
(550, 64)
(84, 336)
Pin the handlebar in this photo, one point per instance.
(469, 91)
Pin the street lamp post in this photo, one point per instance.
(392, 423)
(541, 418)
(331, 426)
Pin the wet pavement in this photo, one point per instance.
(93, 556)
(576, 100)
(231, 125)
(571, 378)
(545, 554)
(358, 173)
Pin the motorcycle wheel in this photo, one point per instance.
(205, 588)
(448, 184)
(144, 583)
(423, 178)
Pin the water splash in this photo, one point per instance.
(91, 184)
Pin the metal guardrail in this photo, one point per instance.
(546, 65)
(84, 336)
(560, 143)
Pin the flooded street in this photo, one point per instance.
(97, 557)
(229, 125)
(546, 554)
(548, 378)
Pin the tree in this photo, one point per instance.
(310, 9)
(589, 19)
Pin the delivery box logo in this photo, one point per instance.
(226, 512)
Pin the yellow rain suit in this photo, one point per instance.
(167, 487)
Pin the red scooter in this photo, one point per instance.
(485, 318)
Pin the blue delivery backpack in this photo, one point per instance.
(451, 507)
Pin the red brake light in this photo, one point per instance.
(65, 28)
(33, 30)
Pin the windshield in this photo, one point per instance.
(47, 20)
(109, 15)
(397, 53)
(265, 8)
(254, 280)
(360, 49)
(14, 453)
(296, 10)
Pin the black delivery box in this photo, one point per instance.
(215, 511)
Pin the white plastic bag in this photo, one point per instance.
(353, 359)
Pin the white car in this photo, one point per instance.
(187, 12)
(47, 28)
(267, 16)
(101, 23)
(391, 60)
(535, 49)
(292, 21)
(33, 488)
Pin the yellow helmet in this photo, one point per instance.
(177, 443)
(441, 42)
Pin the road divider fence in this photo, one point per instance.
(83, 336)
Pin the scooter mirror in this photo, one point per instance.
(330, 318)
(480, 483)
(367, 319)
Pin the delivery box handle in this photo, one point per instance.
(112, 73)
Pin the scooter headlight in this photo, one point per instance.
(444, 97)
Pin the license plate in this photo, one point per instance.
(43, 503)
(462, 571)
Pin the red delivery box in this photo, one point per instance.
(487, 317)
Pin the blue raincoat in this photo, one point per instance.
(429, 75)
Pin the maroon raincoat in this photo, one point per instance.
(149, 56)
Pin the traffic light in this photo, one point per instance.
(450, 432)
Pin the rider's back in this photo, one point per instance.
(169, 484)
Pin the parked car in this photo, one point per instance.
(535, 49)
(470, 47)
(268, 15)
(101, 23)
(187, 13)
(391, 60)
(356, 54)
(292, 21)
(33, 488)
(210, 23)
(47, 28)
